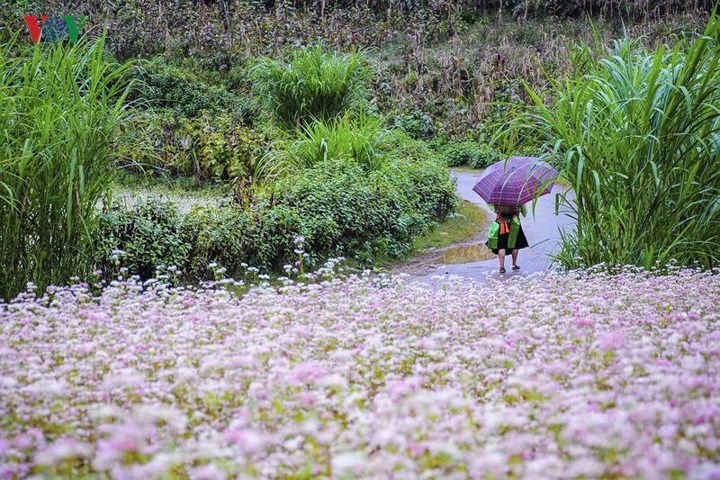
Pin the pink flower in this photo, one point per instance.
(306, 372)
(583, 322)
(611, 341)
(248, 440)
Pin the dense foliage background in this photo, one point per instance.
(335, 122)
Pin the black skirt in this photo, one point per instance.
(520, 241)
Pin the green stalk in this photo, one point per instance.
(60, 106)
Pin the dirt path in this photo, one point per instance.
(542, 230)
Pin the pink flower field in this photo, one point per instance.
(366, 377)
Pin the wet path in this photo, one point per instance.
(542, 230)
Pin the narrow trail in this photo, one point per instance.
(542, 229)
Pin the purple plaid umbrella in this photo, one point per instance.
(515, 181)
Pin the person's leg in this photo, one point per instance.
(514, 252)
(501, 258)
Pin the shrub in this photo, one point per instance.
(340, 209)
(141, 238)
(224, 235)
(472, 154)
(141, 140)
(347, 211)
(218, 148)
(60, 106)
(418, 125)
(314, 85)
(164, 86)
(424, 182)
(638, 140)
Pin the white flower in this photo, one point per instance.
(62, 450)
(347, 462)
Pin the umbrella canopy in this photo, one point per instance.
(515, 181)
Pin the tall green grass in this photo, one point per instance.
(313, 85)
(360, 138)
(59, 107)
(638, 138)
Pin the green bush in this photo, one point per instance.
(218, 147)
(417, 173)
(418, 125)
(337, 206)
(162, 85)
(60, 105)
(345, 211)
(637, 138)
(141, 238)
(224, 235)
(314, 85)
(472, 154)
(141, 140)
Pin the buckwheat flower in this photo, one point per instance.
(585, 467)
(306, 372)
(105, 412)
(334, 380)
(5, 446)
(7, 383)
(488, 463)
(123, 378)
(692, 363)
(61, 450)
(210, 364)
(46, 387)
(247, 440)
(545, 466)
(347, 463)
(109, 453)
(583, 322)
(161, 414)
(707, 470)
(161, 464)
(208, 471)
(611, 341)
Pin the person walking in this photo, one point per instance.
(506, 233)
